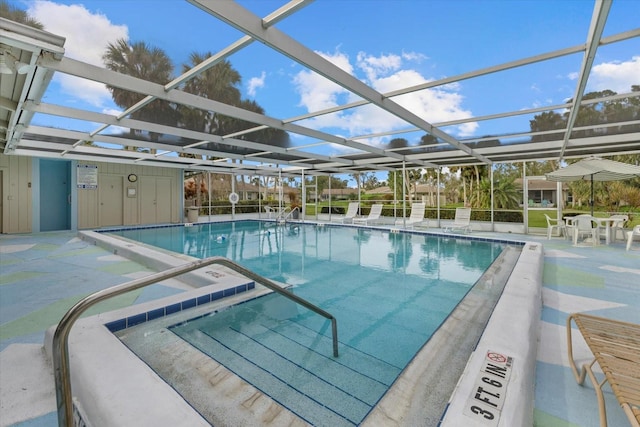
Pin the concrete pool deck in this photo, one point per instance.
(44, 274)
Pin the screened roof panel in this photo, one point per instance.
(333, 86)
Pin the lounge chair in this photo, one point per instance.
(552, 224)
(352, 211)
(630, 234)
(416, 218)
(616, 349)
(462, 220)
(374, 215)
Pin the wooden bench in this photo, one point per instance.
(616, 348)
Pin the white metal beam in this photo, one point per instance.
(599, 18)
(245, 21)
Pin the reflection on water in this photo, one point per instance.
(304, 253)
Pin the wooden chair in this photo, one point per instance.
(615, 346)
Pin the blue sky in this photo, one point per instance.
(386, 43)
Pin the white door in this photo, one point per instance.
(110, 199)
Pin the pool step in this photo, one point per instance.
(294, 365)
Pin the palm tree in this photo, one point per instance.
(15, 14)
(219, 83)
(148, 63)
(505, 194)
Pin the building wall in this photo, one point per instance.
(16, 174)
(155, 197)
(160, 189)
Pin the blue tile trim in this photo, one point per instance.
(117, 325)
(136, 319)
(156, 313)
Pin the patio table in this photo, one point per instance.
(607, 224)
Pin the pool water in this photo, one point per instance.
(389, 292)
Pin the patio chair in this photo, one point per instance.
(462, 221)
(276, 211)
(618, 226)
(352, 211)
(615, 346)
(553, 224)
(630, 234)
(416, 218)
(583, 225)
(374, 215)
(270, 211)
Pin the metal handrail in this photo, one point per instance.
(286, 215)
(62, 373)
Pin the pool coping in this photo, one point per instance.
(518, 408)
(512, 331)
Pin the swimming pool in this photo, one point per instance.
(390, 291)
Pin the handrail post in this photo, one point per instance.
(60, 344)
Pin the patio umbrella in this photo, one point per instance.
(595, 169)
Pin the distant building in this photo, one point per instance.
(339, 194)
(426, 193)
(543, 193)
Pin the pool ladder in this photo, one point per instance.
(62, 372)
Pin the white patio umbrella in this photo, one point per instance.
(594, 169)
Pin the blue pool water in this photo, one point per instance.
(389, 292)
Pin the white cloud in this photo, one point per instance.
(87, 35)
(384, 73)
(414, 56)
(317, 92)
(615, 76)
(373, 66)
(255, 83)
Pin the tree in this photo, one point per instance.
(16, 14)
(144, 62)
(219, 83)
(505, 195)
(369, 180)
(396, 180)
(322, 182)
(356, 177)
(430, 177)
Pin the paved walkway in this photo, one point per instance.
(43, 275)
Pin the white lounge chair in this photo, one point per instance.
(416, 218)
(374, 215)
(462, 221)
(552, 224)
(352, 211)
(631, 234)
